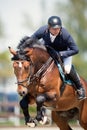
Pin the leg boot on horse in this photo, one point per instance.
(24, 106)
(75, 78)
(41, 118)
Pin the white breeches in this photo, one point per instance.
(67, 64)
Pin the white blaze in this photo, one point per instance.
(20, 64)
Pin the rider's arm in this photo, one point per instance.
(40, 32)
(71, 45)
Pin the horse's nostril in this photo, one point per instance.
(23, 92)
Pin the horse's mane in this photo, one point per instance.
(27, 43)
(30, 42)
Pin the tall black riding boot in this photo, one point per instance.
(76, 79)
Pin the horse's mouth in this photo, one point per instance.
(22, 94)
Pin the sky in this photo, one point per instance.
(12, 15)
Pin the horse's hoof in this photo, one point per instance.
(31, 124)
(43, 121)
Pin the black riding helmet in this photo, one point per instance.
(54, 22)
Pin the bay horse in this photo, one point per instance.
(43, 80)
(21, 67)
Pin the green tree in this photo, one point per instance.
(5, 68)
(74, 16)
(1, 29)
(77, 22)
(5, 65)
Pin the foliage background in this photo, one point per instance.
(22, 17)
(73, 14)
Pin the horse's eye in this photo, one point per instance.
(26, 67)
(15, 64)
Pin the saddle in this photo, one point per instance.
(59, 62)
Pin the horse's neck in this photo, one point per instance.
(39, 58)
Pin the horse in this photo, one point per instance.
(21, 66)
(44, 81)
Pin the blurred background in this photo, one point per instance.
(19, 18)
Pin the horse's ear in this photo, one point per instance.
(13, 52)
(28, 51)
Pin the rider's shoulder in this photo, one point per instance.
(43, 28)
(64, 32)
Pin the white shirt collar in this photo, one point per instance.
(52, 37)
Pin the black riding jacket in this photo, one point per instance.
(63, 42)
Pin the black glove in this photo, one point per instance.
(62, 55)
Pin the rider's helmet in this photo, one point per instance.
(54, 22)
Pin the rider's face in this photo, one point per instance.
(54, 31)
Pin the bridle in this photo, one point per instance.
(28, 77)
(35, 78)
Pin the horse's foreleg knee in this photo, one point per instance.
(40, 99)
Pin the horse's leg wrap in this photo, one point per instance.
(24, 106)
(40, 110)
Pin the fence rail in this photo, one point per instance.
(14, 115)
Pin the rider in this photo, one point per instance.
(58, 38)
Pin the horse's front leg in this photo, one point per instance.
(24, 104)
(40, 99)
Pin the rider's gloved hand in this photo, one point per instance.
(62, 54)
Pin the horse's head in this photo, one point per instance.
(27, 61)
(21, 67)
(35, 51)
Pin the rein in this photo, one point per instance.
(42, 69)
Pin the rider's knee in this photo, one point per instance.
(67, 64)
(67, 68)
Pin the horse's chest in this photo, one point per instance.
(37, 91)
